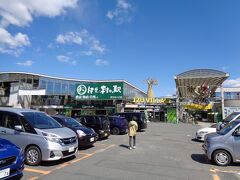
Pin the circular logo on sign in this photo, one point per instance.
(81, 89)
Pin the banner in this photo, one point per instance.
(99, 91)
(198, 106)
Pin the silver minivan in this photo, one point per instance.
(41, 137)
(223, 147)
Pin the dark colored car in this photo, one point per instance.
(140, 116)
(99, 123)
(118, 125)
(86, 136)
(11, 160)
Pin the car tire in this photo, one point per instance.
(222, 158)
(115, 131)
(33, 156)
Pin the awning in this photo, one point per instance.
(199, 82)
(193, 106)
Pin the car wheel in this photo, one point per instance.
(222, 158)
(33, 156)
(115, 131)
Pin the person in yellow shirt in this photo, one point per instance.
(132, 131)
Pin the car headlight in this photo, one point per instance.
(101, 131)
(51, 138)
(80, 133)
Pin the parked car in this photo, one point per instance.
(86, 136)
(141, 118)
(201, 133)
(41, 137)
(223, 147)
(11, 160)
(99, 123)
(118, 125)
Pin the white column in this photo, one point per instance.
(222, 101)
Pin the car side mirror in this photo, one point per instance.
(18, 128)
(218, 126)
(236, 133)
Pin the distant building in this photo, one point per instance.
(30, 90)
(230, 99)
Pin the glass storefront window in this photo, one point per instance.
(35, 83)
(64, 88)
(49, 87)
(232, 95)
(42, 84)
(217, 94)
(130, 92)
(72, 89)
(57, 88)
(29, 81)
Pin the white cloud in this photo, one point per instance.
(21, 13)
(26, 63)
(101, 62)
(50, 46)
(71, 37)
(9, 43)
(87, 53)
(66, 59)
(82, 38)
(232, 83)
(122, 13)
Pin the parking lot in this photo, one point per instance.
(164, 151)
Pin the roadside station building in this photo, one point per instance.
(196, 96)
(71, 96)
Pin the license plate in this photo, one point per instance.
(92, 139)
(71, 149)
(4, 173)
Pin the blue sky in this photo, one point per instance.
(121, 39)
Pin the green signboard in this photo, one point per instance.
(99, 90)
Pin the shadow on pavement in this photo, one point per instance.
(54, 163)
(200, 158)
(196, 140)
(124, 146)
(85, 147)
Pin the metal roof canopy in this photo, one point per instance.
(209, 78)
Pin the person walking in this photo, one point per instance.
(132, 131)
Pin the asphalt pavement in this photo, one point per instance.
(164, 152)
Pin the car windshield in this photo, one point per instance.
(72, 122)
(41, 120)
(228, 128)
(230, 117)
